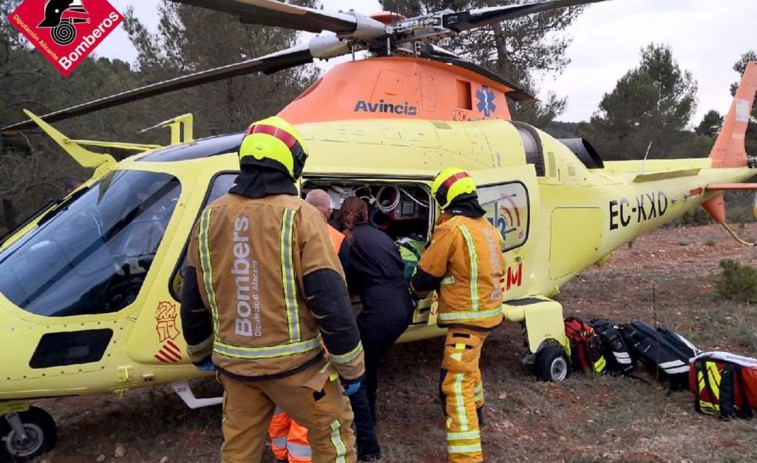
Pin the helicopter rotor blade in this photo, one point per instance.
(463, 21)
(267, 64)
(351, 31)
(278, 14)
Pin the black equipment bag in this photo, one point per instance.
(619, 358)
(665, 353)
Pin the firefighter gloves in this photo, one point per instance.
(205, 365)
(350, 386)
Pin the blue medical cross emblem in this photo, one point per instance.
(486, 101)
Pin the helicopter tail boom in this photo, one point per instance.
(729, 149)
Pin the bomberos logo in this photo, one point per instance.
(65, 31)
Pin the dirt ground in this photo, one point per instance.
(665, 277)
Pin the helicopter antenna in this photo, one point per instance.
(641, 169)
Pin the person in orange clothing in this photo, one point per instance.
(289, 440)
(464, 264)
(321, 201)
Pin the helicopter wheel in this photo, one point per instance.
(552, 364)
(40, 435)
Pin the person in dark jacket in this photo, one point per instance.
(375, 272)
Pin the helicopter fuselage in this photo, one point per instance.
(557, 216)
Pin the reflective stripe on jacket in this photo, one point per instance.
(465, 253)
(253, 258)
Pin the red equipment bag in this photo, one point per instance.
(585, 346)
(724, 384)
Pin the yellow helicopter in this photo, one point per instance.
(89, 286)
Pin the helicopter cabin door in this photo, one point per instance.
(509, 195)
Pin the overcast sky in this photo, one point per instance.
(707, 37)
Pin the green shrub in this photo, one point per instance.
(692, 218)
(739, 206)
(738, 282)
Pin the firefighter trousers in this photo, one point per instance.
(312, 397)
(462, 393)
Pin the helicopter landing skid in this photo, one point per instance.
(184, 391)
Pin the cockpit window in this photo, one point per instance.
(92, 254)
(218, 187)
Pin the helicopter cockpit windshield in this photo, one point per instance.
(92, 254)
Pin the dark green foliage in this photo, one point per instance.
(738, 282)
(188, 40)
(647, 111)
(33, 169)
(9, 37)
(739, 206)
(695, 217)
(738, 209)
(513, 49)
(710, 125)
(562, 129)
(690, 145)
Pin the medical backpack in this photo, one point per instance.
(724, 384)
(585, 346)
(616, 352)
(665, 354)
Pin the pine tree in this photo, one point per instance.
(711, 124)
(647, 111)
(33, 168)
(517, 49)
(193, 39)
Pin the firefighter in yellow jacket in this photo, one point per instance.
(464, 264)
(262, 290)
